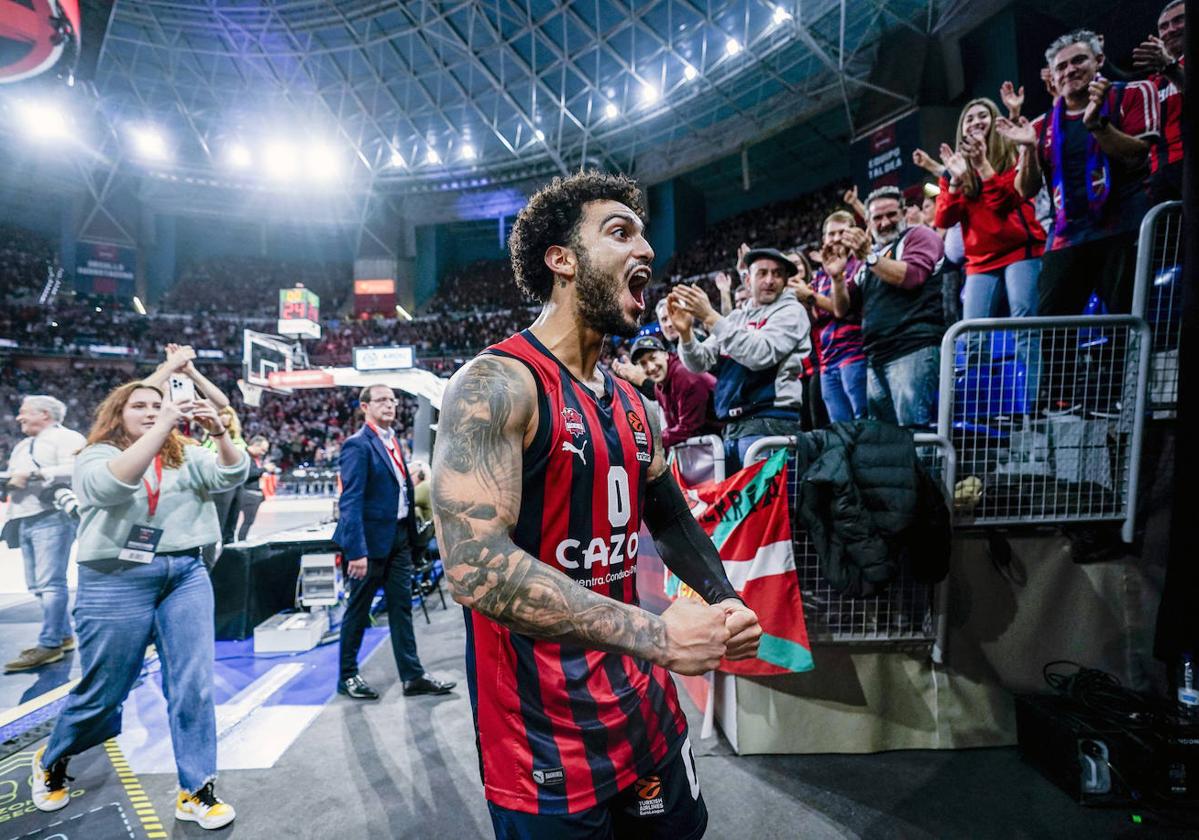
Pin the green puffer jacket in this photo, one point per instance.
(870, 507)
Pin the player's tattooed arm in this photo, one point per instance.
(487, 412)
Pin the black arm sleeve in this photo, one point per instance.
(685, 548)
(647, 389)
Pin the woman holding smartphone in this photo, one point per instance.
(145, 514)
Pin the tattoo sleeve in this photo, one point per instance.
(476, 475)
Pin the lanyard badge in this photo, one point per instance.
(143, 540)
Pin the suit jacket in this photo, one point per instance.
(370, 495)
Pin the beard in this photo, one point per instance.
(599, 300)
(893, 234)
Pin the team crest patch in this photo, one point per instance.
(638, 427)
(573, 421)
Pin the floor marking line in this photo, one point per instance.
(145, 813)
(30, 706)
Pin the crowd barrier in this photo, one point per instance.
(1015, 464)
(700, 459)
(1157, 298)
(308, 481)
(907, 613)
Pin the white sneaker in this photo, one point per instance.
(49, 789)
(204, 808)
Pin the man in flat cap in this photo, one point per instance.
(756, 352)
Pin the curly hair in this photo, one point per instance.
(552, 218)
(110, 427)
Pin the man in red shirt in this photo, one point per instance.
(685, 397)
(1163, 58)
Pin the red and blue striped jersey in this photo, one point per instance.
(1168, 149)
(560, 727)
(839, 339)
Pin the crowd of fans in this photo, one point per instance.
(862, 281)
(250, 286)
(305, 428)
(790, 224)
(481, 286)
(25, 259)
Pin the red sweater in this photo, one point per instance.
(999, 226)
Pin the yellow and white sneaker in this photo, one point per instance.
(204, 808)
(49, 787)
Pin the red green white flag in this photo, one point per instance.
(749, 520)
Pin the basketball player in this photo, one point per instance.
(544, 468)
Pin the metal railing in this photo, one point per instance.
(1046, 416)
(1157, 297)
(700, 459)
(907, 612)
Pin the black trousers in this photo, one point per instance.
(228, 505)
(248, 501)
(1081, 375)
(394, 574)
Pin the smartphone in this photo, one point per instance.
(182, 389)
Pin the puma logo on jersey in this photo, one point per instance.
(567, 446)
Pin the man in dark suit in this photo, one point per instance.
(375, 531)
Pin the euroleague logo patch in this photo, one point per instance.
(638, 428)
(649, 796)
(573, 421)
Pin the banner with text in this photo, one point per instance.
(883, 158)
(102, 268)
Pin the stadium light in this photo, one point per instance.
(611, 111)
(431, 156)
(397, 159)
(42, 120)
(149, 142)
(689, 72)
(280, 159)
(732, 46)
(322, 163)
(238, 156)
(781, 15)
(402, 312)
(138, 306)
(540, 135)
(649, 94)
(468, 152)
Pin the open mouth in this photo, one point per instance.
(639, 278)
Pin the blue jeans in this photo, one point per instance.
(844, 391)
(46, 548)
(904, 390)
(119, 608)
(981, 300)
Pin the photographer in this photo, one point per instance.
(40, 511)
(146, 514)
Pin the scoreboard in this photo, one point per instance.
(375, 297)
(299, 313)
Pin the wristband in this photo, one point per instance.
(222, 433)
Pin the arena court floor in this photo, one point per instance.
(299, 761)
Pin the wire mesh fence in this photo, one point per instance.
(1157, 297)
(1045, 416)
(901, 614)
(700, 459)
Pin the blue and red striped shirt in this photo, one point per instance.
(839, 339)
(561, 728)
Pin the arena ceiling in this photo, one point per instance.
(421, 93)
